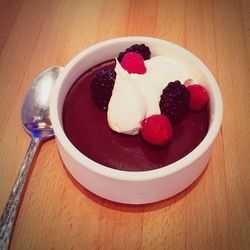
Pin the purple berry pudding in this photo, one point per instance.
(86, 120)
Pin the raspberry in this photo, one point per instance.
(141, 49)
(102, 86)
(174, 101)
(133, 63)
(156, 130)
(198, 97)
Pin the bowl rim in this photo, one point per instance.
(100, 169)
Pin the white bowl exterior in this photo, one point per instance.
(134, 187)
(131, 191)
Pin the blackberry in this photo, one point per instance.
(141, 49)
(174, 101)
(102, 86)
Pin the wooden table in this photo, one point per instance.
(56, 212)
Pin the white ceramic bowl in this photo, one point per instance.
(124, 186)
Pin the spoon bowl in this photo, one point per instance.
(35, 111)
(36, 121)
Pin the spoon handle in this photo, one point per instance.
(11, 209)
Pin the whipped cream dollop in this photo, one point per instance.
(136, 97)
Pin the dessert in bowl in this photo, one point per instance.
(114, 160)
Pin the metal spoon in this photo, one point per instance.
(36, 121)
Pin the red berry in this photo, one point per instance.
(156, 130)
(198, 97)
(133, 63)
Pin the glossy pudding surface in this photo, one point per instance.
(87, 128)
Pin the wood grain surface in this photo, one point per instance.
(56, 212)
